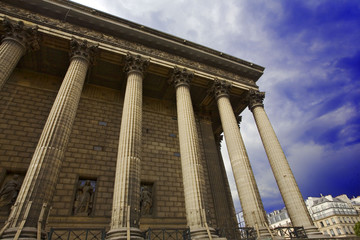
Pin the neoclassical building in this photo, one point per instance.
(109, 124)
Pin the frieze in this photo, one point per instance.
(121, 43)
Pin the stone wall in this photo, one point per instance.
(92, 150)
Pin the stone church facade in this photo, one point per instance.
(109, 124)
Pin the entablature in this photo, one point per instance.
(53, 59)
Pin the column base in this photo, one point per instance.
(313, 232)
(27, 233)
(121, 233)
(202, 234)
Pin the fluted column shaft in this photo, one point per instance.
(190, 159)
(126, 201)
(129, 151)
(284, 177)
(253, 209)
(39, 184)
(18, 38)
(10, 53)
(190, 156)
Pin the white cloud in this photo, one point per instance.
(337, 117)
(298, 62)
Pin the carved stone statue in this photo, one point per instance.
(146, 200)
(9, 193)
(84, 200)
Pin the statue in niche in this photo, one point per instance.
(146, 200)
(9, 193)
(84, 199)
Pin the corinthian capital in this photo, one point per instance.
(181, 77)
(26, 36)
(255, 99)
(136, 63)
(220, 88)
(82, 49)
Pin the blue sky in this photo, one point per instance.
(311, 53)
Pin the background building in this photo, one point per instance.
(355, 201)
(240, 219)
(335, 216)
(279, 218)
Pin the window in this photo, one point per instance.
(338, 231)
(332, 232)
(333, 220)
(327, 222)
(322, 224)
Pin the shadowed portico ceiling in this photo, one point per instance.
(53, 58)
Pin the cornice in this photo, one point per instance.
(94, 12)
(139, 31)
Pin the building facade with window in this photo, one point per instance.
(109, 124)
(355, 201)
(279, 218)
(335, 216)
(240, 219)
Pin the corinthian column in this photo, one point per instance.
(40, 180)
(126, 202)
(253, 209)
(285, 179)
(18, 38)
(190, 157)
